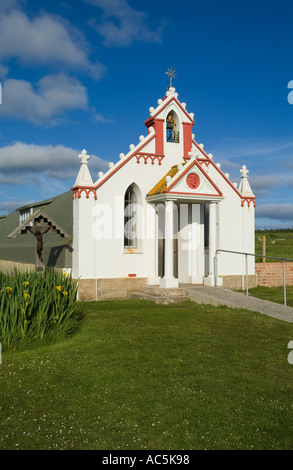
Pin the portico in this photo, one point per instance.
(183, 248)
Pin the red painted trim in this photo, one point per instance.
(150, 154)
(195, 163)
(121, 164)
(195, 194)
(77, 192)
(187, 139)
(203, 161)
(248, 200)
(159, 130)
(147, 156)
(221, 173)
(125, 161)
(151, 121)
(131, 275)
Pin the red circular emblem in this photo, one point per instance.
(193, 180)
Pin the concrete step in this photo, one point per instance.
(159, 295)
(157, 290)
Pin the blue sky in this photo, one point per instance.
(83, 74)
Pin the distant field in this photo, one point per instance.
(278, 243)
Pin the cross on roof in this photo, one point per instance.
(171, 73)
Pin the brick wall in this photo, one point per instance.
(271, 274)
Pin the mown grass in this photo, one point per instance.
(145, 376)
(279, 243)
(273, 294)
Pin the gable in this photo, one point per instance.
(194, 181)
(170, 102)
(152, 158)
(187, 179)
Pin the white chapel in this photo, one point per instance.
(160, 213)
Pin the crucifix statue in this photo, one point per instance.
(38, 224)
(38, 231)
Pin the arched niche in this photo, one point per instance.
(172, 127)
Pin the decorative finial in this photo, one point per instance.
(84, 157)
(244, 186)
(171, 73)
(244, 172)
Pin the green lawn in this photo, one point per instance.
(273, 294)
(279, 243)
(145, 376)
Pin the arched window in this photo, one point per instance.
(130, 218)
(172, 132)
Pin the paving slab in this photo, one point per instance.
(218, 296)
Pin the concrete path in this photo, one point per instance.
(219, 296)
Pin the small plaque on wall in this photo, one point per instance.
(193, 181)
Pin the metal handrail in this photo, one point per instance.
(246, 266)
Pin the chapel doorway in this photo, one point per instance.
(161, 258)
(161, 241)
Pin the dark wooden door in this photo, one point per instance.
(161, 257)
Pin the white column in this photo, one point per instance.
(153, 278)
(184, 242)
(195, 243)
(168, 279)
(210, 279)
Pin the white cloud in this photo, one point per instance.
(43, 40)
(228, 165)
(29, 163)
(52, 96)
(12, 205)
(275, 211)
(249, 149)
(49, 169)
(122, 24)
(261, 185)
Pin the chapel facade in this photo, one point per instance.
(160, 213)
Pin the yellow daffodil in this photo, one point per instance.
(8, 289)
(65, 293)
(59, 288)
(25, 283)
(26, 296)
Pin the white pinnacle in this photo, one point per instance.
(244, 186)
(84, 157)
(84, 177)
